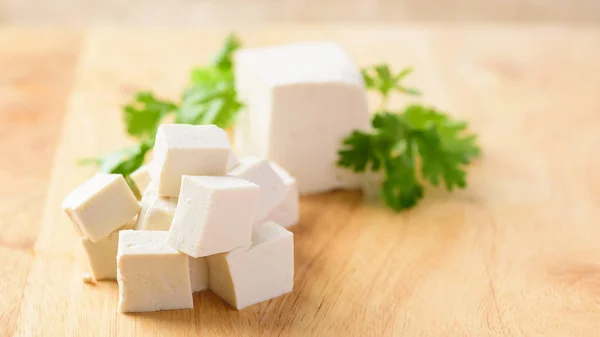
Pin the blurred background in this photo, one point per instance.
(211, 12)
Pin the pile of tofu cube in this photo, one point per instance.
(206, 221)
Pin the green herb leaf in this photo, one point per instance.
(368, 79)
(144, 113)
(385, 81)
(209, 98)
(443, 145)
(359, 152)
(401, 189)
(382, 79)
(224, 58)
(124, 161)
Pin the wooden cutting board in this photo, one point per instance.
(516, 254)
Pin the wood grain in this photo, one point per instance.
(37, 69)
(514, 255)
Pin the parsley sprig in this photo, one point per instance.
(401, 143)
(209, 98)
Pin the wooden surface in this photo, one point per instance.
(202, 13)
(516, 254)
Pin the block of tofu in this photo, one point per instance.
(183, 149)
(198, 274)
(141, 178)
(101, 205)
(272, 187)
(301, 101)
(157, 212)
(213, 215)
(102, 255)
(152, 275)
(232, 161)
(287, 213)
(259, 272)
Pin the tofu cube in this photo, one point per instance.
(213, 215)
(182, 149)
(257, 273)
(157, 212)
(272, 187)
(101, 205)
(301, 101)
(141, 178)
(232, 161)
(152, 275)
(102, 255)
(198, 274)
(287, 213)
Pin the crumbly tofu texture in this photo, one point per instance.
(187, 150)
(213, 215)
(102, 255)
(287, 213)
(152, 275)
(101, 205)
(272, 187)
(257, 273)
(141, 178)
(198, 274)
(301, 101)
(157, 212)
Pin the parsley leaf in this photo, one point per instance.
(123, 161)
(400, 188)
(224, 58)
(381, 78)
(392, 146)
(143, 115)
(209, 98)
(443, 145)
(358, 152)
(398, 140)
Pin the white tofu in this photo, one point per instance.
(157, 212)
(232, 161)
(152, 276)
(198, 274)
(141, 178)
(213, 215)
(302, 100)
(102, 255)
(272, 187)
(287, 213)
(101, 205)
(187, 150)
(256, 273)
